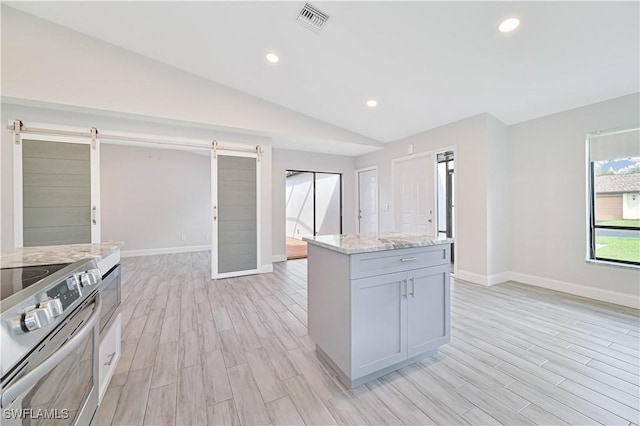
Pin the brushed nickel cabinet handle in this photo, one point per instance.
(407, 259)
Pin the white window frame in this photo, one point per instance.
(590, 255)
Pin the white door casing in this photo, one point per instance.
(367, 214)
(18, 198)
(216, 248)
(414, 192)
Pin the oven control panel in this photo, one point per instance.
(57, 299)
(32, 313)
(66, 292)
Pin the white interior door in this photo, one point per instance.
(414, 195)
(56, 190)
(235, 195)
(368, 201)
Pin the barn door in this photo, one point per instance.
(235, 186)
(56, 190)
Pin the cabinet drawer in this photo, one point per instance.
(109, 355)
(388, 261)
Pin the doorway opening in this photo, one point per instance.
(313, 207)
(446, 202)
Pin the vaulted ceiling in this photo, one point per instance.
(426, 63)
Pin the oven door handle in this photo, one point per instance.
(28, 380)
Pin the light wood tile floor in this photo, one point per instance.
(236, 351)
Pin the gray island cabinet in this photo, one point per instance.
(377, 302)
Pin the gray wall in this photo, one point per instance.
(151, 197)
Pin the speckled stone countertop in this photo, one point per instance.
(364, 243)
(48, 255)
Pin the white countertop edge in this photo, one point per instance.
(68, 253)
(377, 246)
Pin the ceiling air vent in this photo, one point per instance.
(312, 18)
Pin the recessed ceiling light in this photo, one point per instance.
(508, 25)
(372, 103)
(272, 57)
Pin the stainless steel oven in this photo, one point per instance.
(50, 337)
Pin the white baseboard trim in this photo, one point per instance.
(266, 268)
(578, 290)
(166, 250)
(502, 277)
(595, 293)
(483, 279)
(279, 258)
(472, 277)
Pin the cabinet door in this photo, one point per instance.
(109, 355)
(428, 309)
(379, 323)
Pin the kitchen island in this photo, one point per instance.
(377, 302)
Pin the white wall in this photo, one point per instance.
(469, 139)
(45, 62)
(284, 160)
(138, 125)
(86, 120)
(548, 202)
(327, 204)
(151, 197)
(498, 172)
(521, 198)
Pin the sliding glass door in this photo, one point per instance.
(314, 203)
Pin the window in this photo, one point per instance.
(614, 196)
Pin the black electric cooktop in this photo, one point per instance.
(13, 280)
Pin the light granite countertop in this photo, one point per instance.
(48, 255)
(364, 243)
